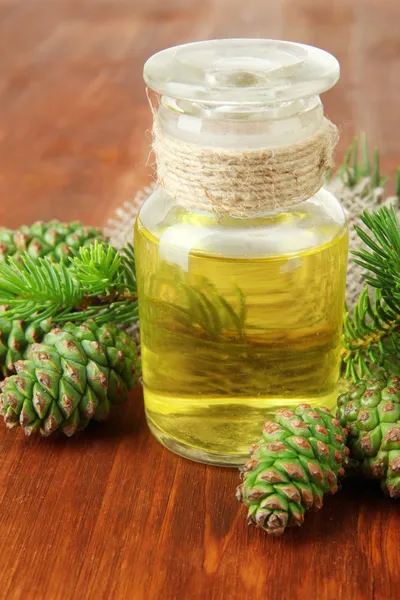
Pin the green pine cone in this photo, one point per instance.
(371, 412)
(75, 375)
(53, 239)
(15, 338)
(297, 461)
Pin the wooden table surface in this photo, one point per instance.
(111, 514)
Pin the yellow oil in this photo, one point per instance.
(227, 340)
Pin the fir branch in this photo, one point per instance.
(97, 283)
(119, 312)
(36, 282)
(98, 268)
(372, 334)
(353, 169)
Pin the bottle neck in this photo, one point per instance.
(242, 161)
(241, 127)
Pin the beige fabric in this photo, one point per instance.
(355, 200)
(364, 196)
(243, 182)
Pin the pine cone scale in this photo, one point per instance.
(41, 401)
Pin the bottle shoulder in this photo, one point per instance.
(306, 226)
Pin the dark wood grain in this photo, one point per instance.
(110, 514)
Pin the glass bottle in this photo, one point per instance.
(240, 314)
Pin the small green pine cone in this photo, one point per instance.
(75, 375)
(371, 412)
(297, 461)
(53, 240)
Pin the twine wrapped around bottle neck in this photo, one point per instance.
(243, 183)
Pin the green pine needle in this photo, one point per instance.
(98, 283)
(372, 334)
(353, 169)
(36, 282)
(98, 268)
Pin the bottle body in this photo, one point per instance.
(239, 317)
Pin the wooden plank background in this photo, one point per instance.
(110, 514)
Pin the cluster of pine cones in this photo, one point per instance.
(59, 378)
(304, 454)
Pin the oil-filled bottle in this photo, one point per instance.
(241, 253)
